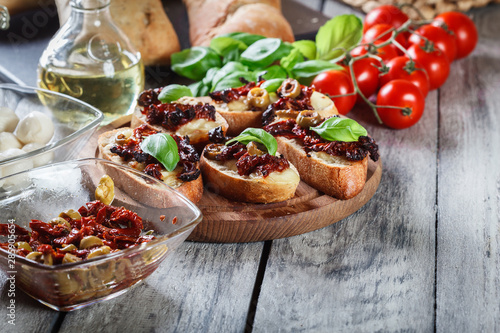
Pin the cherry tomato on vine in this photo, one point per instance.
(464, 29)
(366, 74)
(387, 14)
(401, 68)
(441, 38)
(403, 94)
(382, 30)
(435, 63)
(336, 82)
(386, 53)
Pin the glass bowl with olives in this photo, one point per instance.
(78, 232)
(38, 127)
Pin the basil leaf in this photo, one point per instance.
(257, 135)
(232, 80)
(264, 52)
(340, 129)
(196, 88)
(337, 35)
(194, 63)
(293, 58)
(173, 92)
(162, 147)
(228, 68)
(272, 85)
(244, 37)
(306, 47)
(273, 72)
(228, 48)
(311, 68)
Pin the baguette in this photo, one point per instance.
(193, 189)
(196, 129)
(222, 177)
(211, 18)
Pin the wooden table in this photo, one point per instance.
(423, 255)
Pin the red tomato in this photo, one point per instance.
(435, 63)
(398, 70)
(386, 52)
(387, 14)
(366, 74)
(464, 29)
(378, 30)
(441, 38)
(333, 83)
(404, 94)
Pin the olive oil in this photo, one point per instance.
(111, 86)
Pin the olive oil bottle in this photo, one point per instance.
(89, 58)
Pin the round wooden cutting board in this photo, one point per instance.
(226, 221)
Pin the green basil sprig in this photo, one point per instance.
(162, 147)
(173, 92)
(264, 52)
(257, 135)
(340, 129)
(194, 63)
(337, 35)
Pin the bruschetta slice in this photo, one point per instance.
(248, 172)
(123, 146)
(245, 106)
(187, 116)
(337, 168)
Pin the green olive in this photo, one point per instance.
(308, 118)
(99, 252)
(59, 220)
(90, 241)
(212, 150)
(69, 248)
(258, 97)
(253, 149)
(105, 191)
(23, 245)
(287, 114)
(290, 88)
(72, 214)
(35, 256)
(68, 257)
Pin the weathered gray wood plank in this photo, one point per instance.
(203, 287)
(374, 270)
(29, 315)
(468, 252)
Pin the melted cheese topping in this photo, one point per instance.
(287, 176)
(197, 128)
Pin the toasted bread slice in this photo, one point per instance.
(223, 179)
(193, 190)
(332, 175)
(197, 129)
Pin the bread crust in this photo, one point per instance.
(342, 180)
(210, 18)
(244, 188)
(136, 188)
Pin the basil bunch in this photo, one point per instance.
(239, 54)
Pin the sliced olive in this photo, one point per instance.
(105, 191)
(90, 241)
(23, 245)
(259, 97)
(253, 149)
(290, 88)
(212, 150)
(288, 114)
(99, 252)
(59, 220)
(68, 257)
(69, 248)
(308, 118)
(72, 214)
(35, 256)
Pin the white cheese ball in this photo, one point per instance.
(15, 167)
(8, 119)
(39, 160)
(9, 141)
(35, 127)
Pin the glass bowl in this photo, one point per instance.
(42, 193)
(74, 123)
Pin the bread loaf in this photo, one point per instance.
(210, 18)
(146, 25)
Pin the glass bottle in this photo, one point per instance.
(89, 58)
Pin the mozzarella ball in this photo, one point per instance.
(39, 160)
(35, 127)
(16, 167)
(8, 141)
(8, 119)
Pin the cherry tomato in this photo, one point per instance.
(387, 14)
(366, 74)
(398, 69)
(442, 39)
(382, 30)
(435, 63)
(385, 52)
(336, 82)
(400, 93)
(464, 29)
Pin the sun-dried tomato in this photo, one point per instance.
(233, 94)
